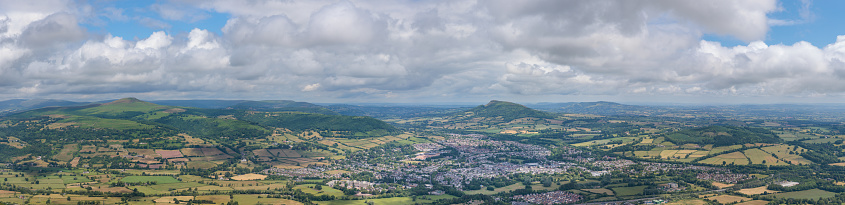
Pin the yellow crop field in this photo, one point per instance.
(246, 177)
(667, 153)
(726, 199)
(758, 190)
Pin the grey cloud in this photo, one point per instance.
(344, 23)
(4, 24)
(56, 29)
(276, 30)
(745, 20)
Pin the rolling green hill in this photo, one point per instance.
(130, 118)
(507, 111)
(723, 136)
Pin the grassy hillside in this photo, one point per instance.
(506, 110)
(131, 118)
(723, 136)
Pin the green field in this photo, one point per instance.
(821, 140)
(387, 201)
(201, 164)
(724, 149)
(165, 188)
(737, 158)
(538, 186)
(253, 199)
(157, 179)
(69, 179)
(67, 153)
(604, 141)
(599, 191)
(497, 190)
(806, 194)
(628, 191)
(326, 190)
(758, 156)
(783, 152)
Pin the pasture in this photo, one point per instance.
(754, 202)
(736, 158)
(628, 191)
(758, 156)
(814, 194)
(497, 190)
(325, 190)
(726, 199)
(688, 202)
(253, 199)
(758, 190)
(599, 191)
(156, 179)
(387, 201)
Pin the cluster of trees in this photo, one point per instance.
(822, 153)
(40, 141)
(332, 125)
(507, 111)
(216, 128)
(723, 136)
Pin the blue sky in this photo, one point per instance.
(139, 19)
(821, 29)
(374, 51)
(817, 22)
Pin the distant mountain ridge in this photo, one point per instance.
(596, 108)
(208, 104)
(282, 105)
(18, 105)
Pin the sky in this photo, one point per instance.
(425, 51)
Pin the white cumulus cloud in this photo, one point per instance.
(416, 50)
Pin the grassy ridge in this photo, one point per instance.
(132, 114)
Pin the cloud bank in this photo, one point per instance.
(413, 51)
